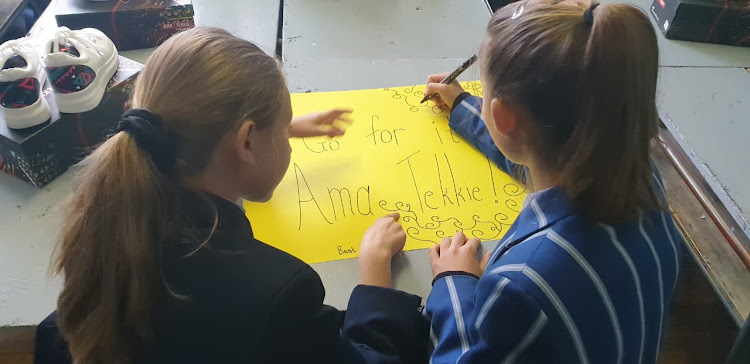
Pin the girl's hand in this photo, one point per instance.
(380, 243)
(447, 94)
(458, 253)
(319, 124)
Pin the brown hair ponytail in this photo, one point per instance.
(202, 83)
(117, 218)
(587, 76)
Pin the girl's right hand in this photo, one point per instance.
(383, 239)
(380, 243)
(447, 94)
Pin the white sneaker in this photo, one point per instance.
(22, 78)
(79, 64)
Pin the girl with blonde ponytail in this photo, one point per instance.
(159, 262)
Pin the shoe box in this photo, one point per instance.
(708, 21)
(133, 24)
(39, 154)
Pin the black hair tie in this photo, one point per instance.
(149, 132)
(588, 15)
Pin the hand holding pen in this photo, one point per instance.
(443, 88)
(445, 95)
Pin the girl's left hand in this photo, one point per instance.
(458, 253)
(319, 124)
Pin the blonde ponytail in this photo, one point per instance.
(117, 219)
(201, 83)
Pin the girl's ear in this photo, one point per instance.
(505, 116)
(243, 144)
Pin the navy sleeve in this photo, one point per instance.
(386, 325)
(381, 326)
(466, 120)
(303, 329)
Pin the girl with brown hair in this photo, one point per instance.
(159, 262)
(586, 272)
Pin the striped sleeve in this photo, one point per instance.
(448, 308)
(466, 120)
(500, 319)
(505, 323)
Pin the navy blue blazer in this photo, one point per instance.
(248, 302)
(559, 288)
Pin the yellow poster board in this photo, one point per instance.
(398, 155)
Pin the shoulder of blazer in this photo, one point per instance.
(300, 287)
(297, 303)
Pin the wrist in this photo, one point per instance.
(461, 97)
(453, 273)
(375, 255)
(296, 127)
(375, 271)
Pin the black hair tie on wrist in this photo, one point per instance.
(148, 131)
(588, 15)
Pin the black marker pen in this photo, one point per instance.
(452, 77)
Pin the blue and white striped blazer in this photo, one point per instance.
(569, 290)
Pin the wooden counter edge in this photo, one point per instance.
(714, 254)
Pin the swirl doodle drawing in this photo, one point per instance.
(411, 97)
(473, 87)
(436, 228)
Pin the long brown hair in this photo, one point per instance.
(202, 83)
(588, 82)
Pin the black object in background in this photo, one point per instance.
(708, 21)
(134, 24)
(493, 5)
(18, 16)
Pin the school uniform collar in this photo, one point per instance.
(542, 209)
(199, 213)
(533, 196)
(233, 215)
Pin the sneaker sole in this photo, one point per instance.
(32, 115)
(88, 98)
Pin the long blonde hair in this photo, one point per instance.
(587, 75)
(202, 83)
